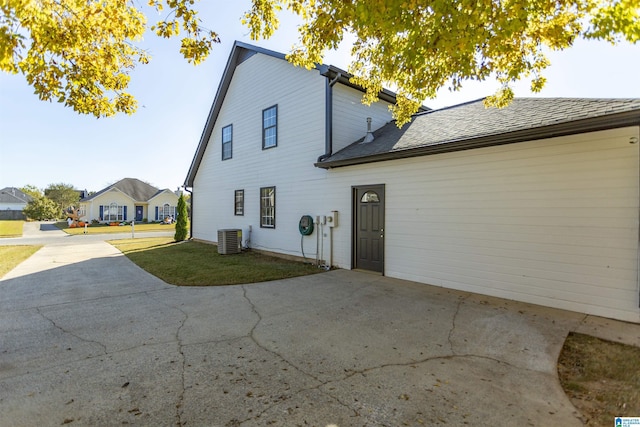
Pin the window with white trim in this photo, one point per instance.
(166, 211)
(270, 127)
(113, 213)
(268, 207)
(239, 203)
(227, 142)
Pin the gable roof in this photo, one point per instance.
(160, 192)
(14, 195)
(138, 190)
(240, 53)
(472, 125)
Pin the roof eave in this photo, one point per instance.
(612, 121)
(344, 77)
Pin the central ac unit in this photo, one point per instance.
(229, 241)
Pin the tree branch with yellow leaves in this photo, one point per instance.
(81, 52)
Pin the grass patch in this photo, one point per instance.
(11, 228)
(601, 378)
(199, 264)
(11, 256)
(105, 229)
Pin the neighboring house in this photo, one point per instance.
(12, 202)
(536, 202)
(127, 200)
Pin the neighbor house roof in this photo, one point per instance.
(138, 190)
(13, 195)
(472, 125)
(240, 53)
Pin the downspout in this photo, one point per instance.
(190, 216)
(328, 131)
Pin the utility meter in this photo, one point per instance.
(305, 225)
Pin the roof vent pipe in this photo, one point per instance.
(369, 136)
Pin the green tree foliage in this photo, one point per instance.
(31, 190)
(419, 47)
(182, 226)
(80, 52)
(41, 208)
(63, 195)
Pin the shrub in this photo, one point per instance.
(182, 229)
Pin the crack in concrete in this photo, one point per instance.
(321, 383)
(178, 340)
(461, 300)
(71, 362)
(82, 301)
(103, 346)
(179, 405)
(429, 359)
(253, 338)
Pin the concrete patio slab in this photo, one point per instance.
(88, 338)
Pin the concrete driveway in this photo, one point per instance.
(88, 338)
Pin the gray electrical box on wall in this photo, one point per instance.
(332, 220)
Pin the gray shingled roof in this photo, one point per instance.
(13, 195)
(138, 190)
(472, 125)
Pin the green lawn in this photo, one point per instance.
(11, 256)
(105, 229)
(198, 264)
(11, 228)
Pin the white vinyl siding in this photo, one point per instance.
(107, 199)
(551, 222)
(258, 84)
(350, 116)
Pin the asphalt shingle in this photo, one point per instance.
(134, 188)
(472, 120)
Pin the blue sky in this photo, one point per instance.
(43, 143)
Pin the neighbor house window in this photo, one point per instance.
(270, 127)
(239, 202)
(165, 211)
(268, 207)
(114, 213)
(227, 140)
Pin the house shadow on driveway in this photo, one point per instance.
(101, 342)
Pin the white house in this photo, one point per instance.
(129, 199)
(537, 202)
(12, 202)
